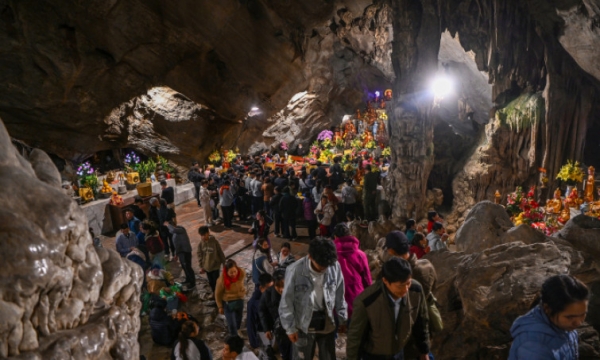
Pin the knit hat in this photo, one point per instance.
(397, 241)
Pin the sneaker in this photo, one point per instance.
(171, 257)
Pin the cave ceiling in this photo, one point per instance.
(84, 74)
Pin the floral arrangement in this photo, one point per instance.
(339, 143)
(146, 169)
(514, 201)
(165, 165)
(132, 161)
(214, 157)
(229, 155)
(314, 149)
(387, 151)
(326, 156)
(356, 144)
(325, 135)
(371, 144)
(87, 176)
(570, 173)
(283, 146)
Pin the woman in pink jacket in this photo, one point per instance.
(354, 264)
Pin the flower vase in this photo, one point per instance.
(569, 189)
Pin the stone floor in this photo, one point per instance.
(236, 244)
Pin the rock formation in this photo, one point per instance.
(485, 288)
(59, 296)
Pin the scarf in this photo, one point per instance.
(227, 280)
(224, 187)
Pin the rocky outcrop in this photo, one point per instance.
(59, 296)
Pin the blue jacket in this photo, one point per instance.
(536, 338)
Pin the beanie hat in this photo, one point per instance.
(397, 241)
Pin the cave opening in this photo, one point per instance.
(459, 117)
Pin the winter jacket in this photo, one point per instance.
(309, 209)
(295, 309)
(204, 195)
(424, 272)
(163, 327)
(269, 308)
(134, 225)
(256, 188)
(537, 338)
(210, 254)
(226, 197)
(349, 195)
(138, 212)
(154, 245)
(168, 194)
(181, 239)
(410, 234)
(328, 213)
(373, 329)
(418, 251)
(435, 242)
(274, 204)
(155, 283)
(284, 263)
(287, 206)
(267, 190)
(355, 268)
(256, 230)
(125, 243)
(261, 265)
(237, 290)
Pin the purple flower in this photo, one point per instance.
(325, 134)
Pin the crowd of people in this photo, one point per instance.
(301, 305)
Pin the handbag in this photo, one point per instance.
(435, 318)
(317, 321)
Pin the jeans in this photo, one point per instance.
(212, 278)
(227, 215)
(167, 239)
(233, 318)
(304, 348)
(257, 204)
(185, 259)
(286, 348)
(288, 224)
(277, 219)
(312, 228)
(197, 192)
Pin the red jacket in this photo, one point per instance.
(355, 268)
(418, 251)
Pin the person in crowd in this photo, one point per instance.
(314, 289)
(253, 325)
(370, 193)
(165, 215)
(349, 197)
(213, 188)
(437, 238)
(183, 250)
(138, 202)
(350, 218)
(229, 295)
(163, 328)
(126, 241)
(317, 191)
(260, 227)
(287, 208)
(155, 246)
(241, 201)
(321, 173)
(168, 194)
(432, 218)
(419, 245)
(269, 315)
(308, 205)
(205, 203)
(95, 239)
(411, 229)
(210, 256)
(137, 256)
(285, 258)
(378, 329)
(234, 349)
(353, 262)
(226, 202)
(257, 193)
(549, 329)
(303, 184)
(268, 190)
(337, 173)
(281, 181)
(195, 177)
(275, 211)
(157, 279)
(153, 211)
(132, 222)
(263, 261)
(188, 345)
(325, 213)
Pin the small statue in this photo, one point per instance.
(368, 138)
(589, 186)
(115, 199)
(565, 214)
(387, 95)
(349, 130)
(337, 135)
(555, 205)
(573, 199)
(358, 116)
(110, 177)
(497, 197)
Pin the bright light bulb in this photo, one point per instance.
(377, 93)
(441, 86)
(254, 108)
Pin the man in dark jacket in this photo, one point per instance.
(275, 211)
(253, 324)
(370, 193)
(195, 177)
(269, 315)
(387, 315)
(138, 202)
(287, 207)
(183, 249)
(163, 327)
(168, 193)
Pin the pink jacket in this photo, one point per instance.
(355, 268)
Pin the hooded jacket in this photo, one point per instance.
(355, 268)
(536, 338)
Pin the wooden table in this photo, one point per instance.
(117, 212)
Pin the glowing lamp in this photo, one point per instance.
(441, 86)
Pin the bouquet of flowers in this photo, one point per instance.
(514, 202)
(570, 173)
(214, 157)
(87, 176)
(387, 151)
(230, 155)
(339, 143)
(132, 161)
(371, 145)
(314, 149)
(325, 135)
(356, 144)
(283, 146)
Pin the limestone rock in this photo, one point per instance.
(483, 227)
(52, 302)
(583, 232)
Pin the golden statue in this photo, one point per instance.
(86, 194)
(573, 199)
(110, 177)
(497, 197)
(337, 135)
(367, 137)
(388, 94)
(565, 214)
(555, 205)
(358, 114)
(588, 194)
(349, 130)
(115, 199)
